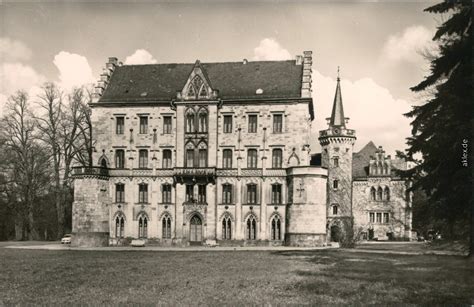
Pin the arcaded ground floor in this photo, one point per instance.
(202, 277)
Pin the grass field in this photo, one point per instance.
(211, 278)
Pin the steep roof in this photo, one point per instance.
(361, 160)
(234, 80)
(337, 115)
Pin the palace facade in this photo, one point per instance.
(219, 152)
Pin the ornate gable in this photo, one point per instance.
(198, 86)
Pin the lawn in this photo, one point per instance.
(235, 278)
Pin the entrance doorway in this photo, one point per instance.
(195, 230)
(335, 233)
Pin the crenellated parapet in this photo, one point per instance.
(105, 76)
(380, 165)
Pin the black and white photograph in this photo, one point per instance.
(224, 152)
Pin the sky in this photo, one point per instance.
(377, 46)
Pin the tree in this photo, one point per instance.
(441, 125)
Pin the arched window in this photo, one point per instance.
(203, 92)
(189, 159)
(167, 159)
(103, 163)
(226, 228)
(119, 158)
(119, 226)
(190, 122)
(166, 227)
(142, 227)
(379, 168)
(227, 158)
(335, 184)
(386, 193)
(335, 209)
(276, 228)
(251, 228)
(379, 193)
(372, 193)
(191, 91)
(202, 122)
(142, 158)
(277, 158)
(386, 169)
(252, 158)
(335, 161)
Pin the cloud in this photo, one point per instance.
(13, 50)
(270, 49)
(74, 70)
(374, 113)
(407, 46)
(140, 56)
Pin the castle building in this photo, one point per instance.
(219, 152)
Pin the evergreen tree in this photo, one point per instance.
(442, 125)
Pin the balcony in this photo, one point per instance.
(91, 171)
(194, 175)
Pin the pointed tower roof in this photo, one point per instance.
(337, 115)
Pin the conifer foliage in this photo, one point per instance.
(442, 125)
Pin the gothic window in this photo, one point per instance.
(167, 158)
(166, 193)
(252, 158)
(103, 162)
(386, 218)
(386, 194)
(252, 123)
(203, 92)
(335, 209)
(202, 122)
(142, 158)
(166, 227)
(191, 91)
(335, 184)
(189, 193)
(202, 157)
(251, 228)
(189, 157)
(143, 193)
(277, 123)
(372, 193)
(119, 226)
(379, 193)
(143, 124)
(276, 194)
(119, 124)
(227, 123)
(276, 228)
(226, 228)
(386, 169)
(227, 158)
(202, 193)
(167, 124)
(226, 193)
(190, 122)
(379, 168)
(251, 193)
(372, 217)
(119, 158)
(119, 193)
(335, 161)
(277, 158)
(142, 226)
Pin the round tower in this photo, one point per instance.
(337, 143)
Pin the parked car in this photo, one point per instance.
(66, 239)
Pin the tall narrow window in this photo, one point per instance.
(166, 193)
(386, 194)
(142, 227)
(190, 123)
(202, 122)
(167, 158)
(251, 229)
(189, 192)
(335, 209)
(276, 228)
(335, 184)
(385, 218)
(252, 123)
(252, 158)
(119, 125)
(226, 228)
(276, 194)
(202, 157)
(227, 158)
(142, 158)
(372, 193)
(119, 158)
(335, 161)
(226, 193)
(166, 227)
(119, 193)
(189, 157)
(119, 226)
(227, 123)
(379, 193)
(277, 158)
(143, 193)
(277, 123)
(372, 217)
(143, 124)
(379, 217)
(167, 124)
(251, 193)
(202, 193)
